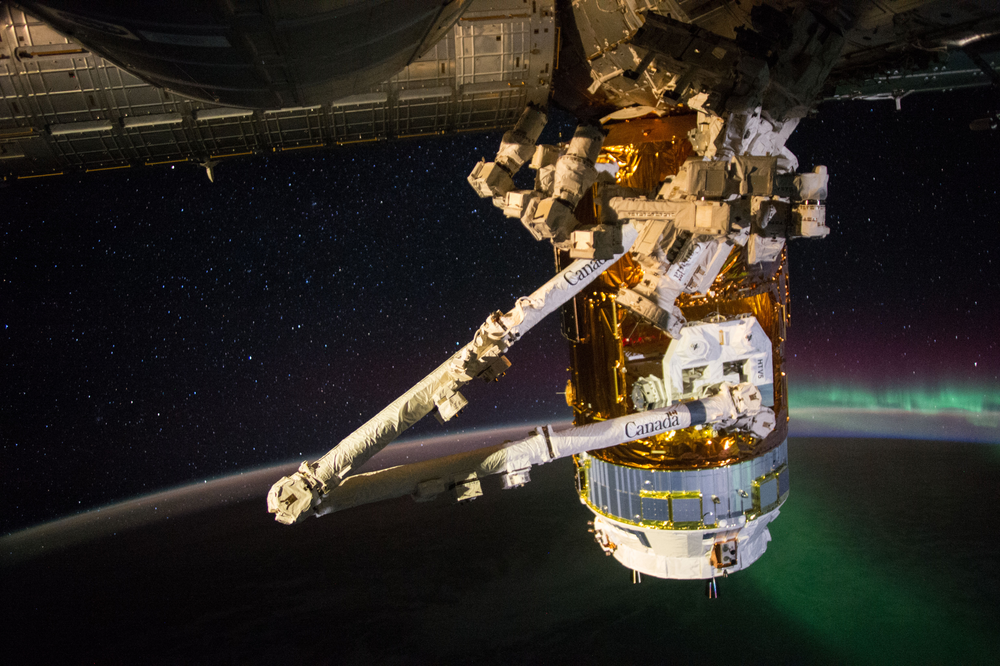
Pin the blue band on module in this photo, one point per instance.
(697, 412)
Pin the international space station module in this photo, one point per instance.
(669, 209)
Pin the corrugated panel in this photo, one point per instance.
(636, 495)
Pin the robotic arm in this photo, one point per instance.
(731, 406)
(563, 176)
(294, 497)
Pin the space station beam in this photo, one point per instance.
(425, 480)
(293, 497)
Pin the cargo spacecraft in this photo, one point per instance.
(670, 208)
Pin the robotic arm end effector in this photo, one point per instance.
(495, 179)
(293, 498)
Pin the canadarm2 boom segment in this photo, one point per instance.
(294, 497)
(460, 473)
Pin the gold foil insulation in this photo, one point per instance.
(601, 334)
(648, 150)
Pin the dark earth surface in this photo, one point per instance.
(885, 551)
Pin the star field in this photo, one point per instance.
(903, 292)
(160, 329)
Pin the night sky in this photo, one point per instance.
(159, 329)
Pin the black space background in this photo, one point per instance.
(159, 329)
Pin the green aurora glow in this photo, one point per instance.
(974, 399)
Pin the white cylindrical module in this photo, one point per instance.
(685, 523)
